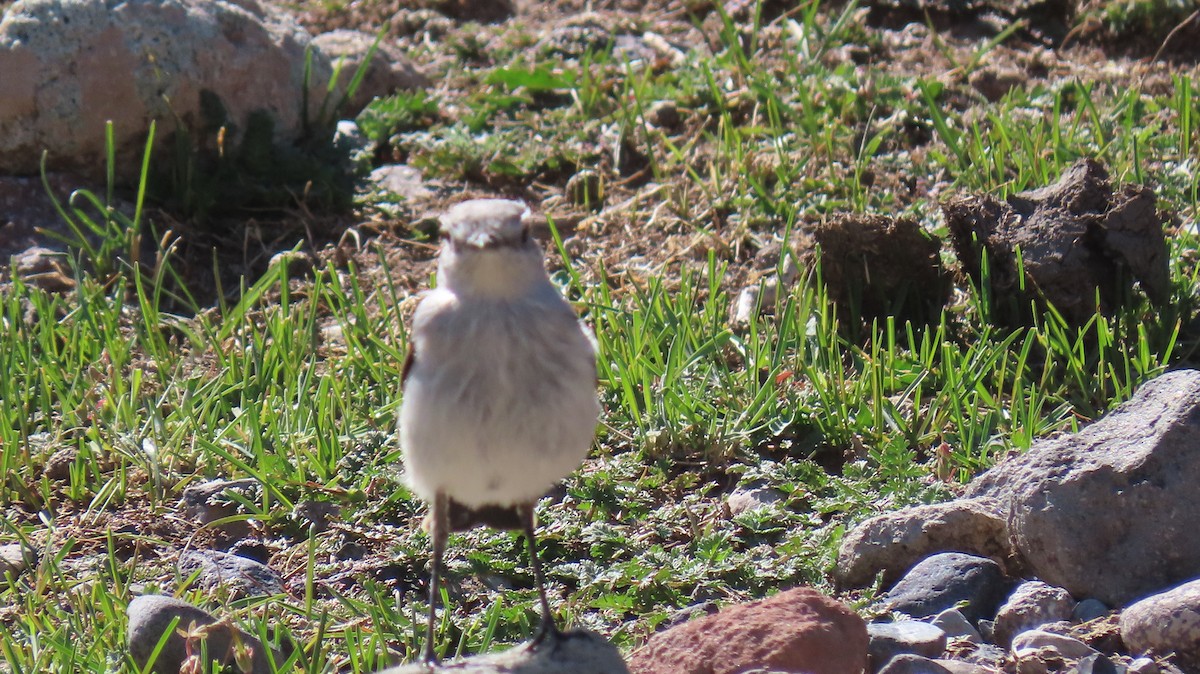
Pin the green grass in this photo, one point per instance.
(294, 381)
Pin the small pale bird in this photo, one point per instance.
(499, 396)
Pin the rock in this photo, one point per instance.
(402, 180)
(888, 640)
(586, 188)
(956, 626)
(995, 82)
(697, 610)
(389, 71)
(577, 652)
(894, 542)
(49, 270)
(944, 580)
(985, 655)
(240, 576)
(1089, 609)
(58, 466)
(1030, 606)
(906, 276)
(745, 307)
(963, 667)
(211, 501)
(1079, 504)
(317, 513)
(71, 66)
(151, 615)
(797, 630)
(1074, 237)
(1143, 665)
(755, 498)
(1098, 664)
(907, 663)
(663, 114)
(1033, 640)
(1164, 623)
(15, 559)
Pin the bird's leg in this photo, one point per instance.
(548, 628)
(438, 531)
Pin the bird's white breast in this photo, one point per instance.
(500, 403)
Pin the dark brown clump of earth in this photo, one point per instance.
(875, 266)
(1073, 240)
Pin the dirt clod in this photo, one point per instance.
(877, 266)
(1074, 237)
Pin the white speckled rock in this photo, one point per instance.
(1031, 605)
(70, 65)
(1068, 647)
(577, 652)
(1166, 622)
(14, 559)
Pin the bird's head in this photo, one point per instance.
(487, 249)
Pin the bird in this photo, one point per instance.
(499, 388)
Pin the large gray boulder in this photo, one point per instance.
(70, 65)
(1110, 512)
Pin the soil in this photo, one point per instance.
(1062, 241)
(630, 234)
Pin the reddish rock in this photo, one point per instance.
(800, 630)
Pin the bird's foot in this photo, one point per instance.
(430, 660)
(548, 634)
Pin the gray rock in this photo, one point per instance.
(956, 626)
(317, 513)
(1098, 664)
(51, 271)
(142, 60)
(1164, 623)
(578, 652)
(210, 501)
(986, 655)
(1030, 606)
(755, 498)
(1143, 665)
(1033, 640)
(1089, 609)
(151, 615)
(945, 580)
(15, 559)
(893, 542)
(240, 576)
(964, 667)
(1078, 504)
(586, 188)
(887, 640)
(663, 114)
(404, 181)
(907, 663)
(389, 70)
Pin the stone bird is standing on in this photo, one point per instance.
(499, 387)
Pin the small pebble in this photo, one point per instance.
(956, 626)
(1089, 609)
(1098, 664)
(1031, 641)
(888, 640)
(907, 663)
